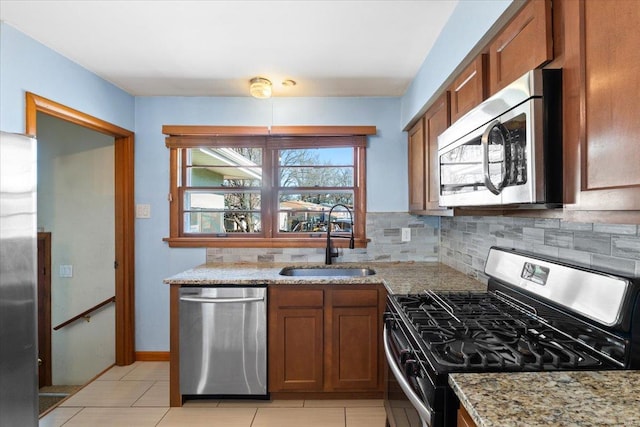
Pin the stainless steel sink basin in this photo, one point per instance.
(327, 271)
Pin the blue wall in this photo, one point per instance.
(386, 176)
(26, 65)
(469, 21)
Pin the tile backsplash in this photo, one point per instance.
(384, 230)
(465, 242)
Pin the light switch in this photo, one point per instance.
(143, 211)
(406, 234)
(66, 271)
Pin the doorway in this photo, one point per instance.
(76, 203)
(123, 215)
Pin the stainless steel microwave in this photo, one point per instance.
(508, 149)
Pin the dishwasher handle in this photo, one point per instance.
(220, 300)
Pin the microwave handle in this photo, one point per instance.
(485, 157)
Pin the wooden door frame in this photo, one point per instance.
(124, 212)
(44, 310)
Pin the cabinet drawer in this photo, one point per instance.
(297, 297)
(354, 298)
(524, 44)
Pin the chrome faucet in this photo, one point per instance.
(330, 252)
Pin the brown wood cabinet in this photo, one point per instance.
(601, 87)
(464, 419)
(469, 88)
(417, 164)
(325, 339)
(524, 44)
(596, 44)
(437, 120)
(423, 158)
(296, 331)
(352, 339)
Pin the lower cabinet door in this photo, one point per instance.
(354, 348)
(325, 339)
(296, 350)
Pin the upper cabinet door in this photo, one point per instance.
(524, 44)
(417, 159)
(436, 121)
(469, 88)
(602, 87)
(423, 159)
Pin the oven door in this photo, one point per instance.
(496, 163)
(404, 402)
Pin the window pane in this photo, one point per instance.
(316, 177)
(308, 212)
(316, 167)
(222, 222)
(221, 176)
(221, 200)
(341, 156)
(220, 211)
(224, 167)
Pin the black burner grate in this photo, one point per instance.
(471, 330)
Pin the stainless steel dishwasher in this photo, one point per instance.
(223, 341)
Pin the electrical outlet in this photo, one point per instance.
(143, 211)
(66, 271)
(406, 234)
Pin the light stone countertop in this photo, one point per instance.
(398, 277)
(535, 399)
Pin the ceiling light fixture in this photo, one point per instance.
(260, 88)
(289, 83)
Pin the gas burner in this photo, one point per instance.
(478, 331)
(536, 316)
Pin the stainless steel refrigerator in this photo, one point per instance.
(18, 282)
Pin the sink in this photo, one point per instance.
(327, 271)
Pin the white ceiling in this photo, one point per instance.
(213, 48)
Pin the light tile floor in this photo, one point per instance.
(138, 395)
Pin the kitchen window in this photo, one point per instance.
(255, 188)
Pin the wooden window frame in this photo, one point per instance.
(275, 138)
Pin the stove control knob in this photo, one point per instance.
(404, 355)
(411, 368)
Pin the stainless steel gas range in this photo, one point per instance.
(537, 315)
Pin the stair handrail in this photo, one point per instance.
(85, 314)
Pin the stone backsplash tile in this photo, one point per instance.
(561, 239)
(624, 266)
(616, 228)
(625, 247)
(599, 243)
(465, 242)
(384, 230)
(576, 226)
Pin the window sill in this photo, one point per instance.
(231, 242)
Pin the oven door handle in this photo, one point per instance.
(423, 411)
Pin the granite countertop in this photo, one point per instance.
(398, 277)
(533, 399)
